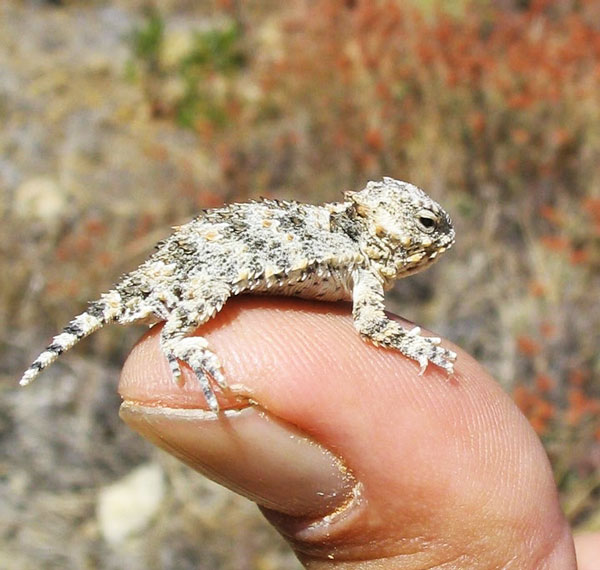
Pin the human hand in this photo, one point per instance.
(357, 460)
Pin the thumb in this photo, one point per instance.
(356, 459)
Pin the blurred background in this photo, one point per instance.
(121, 118)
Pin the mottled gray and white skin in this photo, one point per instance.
(350, 250)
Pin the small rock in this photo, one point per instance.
(43, 199)
(178, 44)
(127, 507)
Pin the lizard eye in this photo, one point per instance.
(427, 221)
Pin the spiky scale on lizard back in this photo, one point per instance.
(353, 249)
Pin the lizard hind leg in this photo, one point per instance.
(178, 346)
(194, 351)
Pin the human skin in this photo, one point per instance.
(410, 472)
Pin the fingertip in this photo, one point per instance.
(452, 457)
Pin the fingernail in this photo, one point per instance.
(251, 452)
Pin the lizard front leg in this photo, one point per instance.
(371, 322)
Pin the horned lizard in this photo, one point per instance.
(350, 250)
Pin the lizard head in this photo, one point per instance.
(403, 222)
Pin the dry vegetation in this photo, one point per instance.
(120, 119)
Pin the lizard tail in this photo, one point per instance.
(99, 313)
